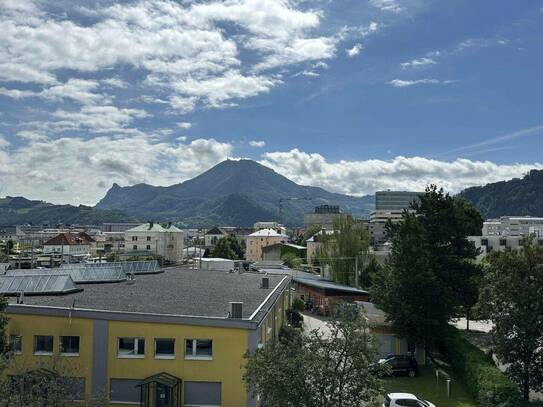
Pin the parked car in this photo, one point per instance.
(401, 365)
(405, 400)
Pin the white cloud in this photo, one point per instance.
(78, 170)
(257, 144)
(400, 83)
(184, 125)
(97, 119)
(179, 47)
(354, 51)
(418, 63)
(387, 5)
(404, 173)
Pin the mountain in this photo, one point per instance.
(19, 210)
(515, 197)
(231, 193)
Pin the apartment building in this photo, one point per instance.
(323, 215)
(71, 245)
(153, 238)
(262, 238)
(171, 339)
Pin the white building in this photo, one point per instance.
(164, 241)
(262, 238)
(69, 245)
(487, 244)
(512, 226)
(212, 236)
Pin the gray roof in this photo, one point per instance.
(177, 291)
(313, 280)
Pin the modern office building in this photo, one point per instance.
(395, 200)
(513, 226)
(389, 205)
(172, 339)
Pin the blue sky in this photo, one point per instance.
(351, 95)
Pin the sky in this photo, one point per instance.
(350, 95)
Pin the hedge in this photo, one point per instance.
(487, 384)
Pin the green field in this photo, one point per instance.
(425, 386)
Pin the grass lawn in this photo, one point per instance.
(425, 387)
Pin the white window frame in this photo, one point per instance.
(68, 354)
(195, 356)
(43, 353)
(163, 356)
(136, 345)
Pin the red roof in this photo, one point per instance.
(70, 239)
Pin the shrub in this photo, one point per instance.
(488, 385)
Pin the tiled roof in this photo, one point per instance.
(70, 239)
(215, 231)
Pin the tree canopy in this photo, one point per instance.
(345, 250)
(425, 279)
(228, 247)
(318, 370)
(513, 299)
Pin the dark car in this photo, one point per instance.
(401, 365)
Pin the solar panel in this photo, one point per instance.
(37, 284)
(128, 267)
(79, 275)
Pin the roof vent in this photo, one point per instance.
(265, 283)
(236, 310)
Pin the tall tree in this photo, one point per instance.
(345, 251)
(318, 369)
(513, 298)
(424, 281)
(228, 247)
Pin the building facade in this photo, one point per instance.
(323, 215)
(513, 226)
(69, 245)
(262, 238)
(160, 353)
(395, 200)
(155, 239)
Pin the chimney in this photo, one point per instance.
(265, 283)
(236, 310)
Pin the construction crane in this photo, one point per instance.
(283, 200)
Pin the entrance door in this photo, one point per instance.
(163, 396)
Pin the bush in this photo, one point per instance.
(487, 384)
(295, 319)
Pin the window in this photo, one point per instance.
(135, 247)
(16, 343)
(202, 394)
(69, 345)
(198, 349)
(131, 348)
(134, 238)
(503, 242)
(43, 345)
(148, 247)
(164, 348)
(148, 238)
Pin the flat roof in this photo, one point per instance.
(176, 292)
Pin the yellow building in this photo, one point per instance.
(262, 238)
(171, 339)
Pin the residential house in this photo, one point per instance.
(69, 245)
(154, 239)
(262, 238)
(212, 236)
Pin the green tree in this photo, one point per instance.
(310, 231)
(345, 250)
(228, 247)
(423, 284)
(292, 261)
(317, 369)
(513, 299)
